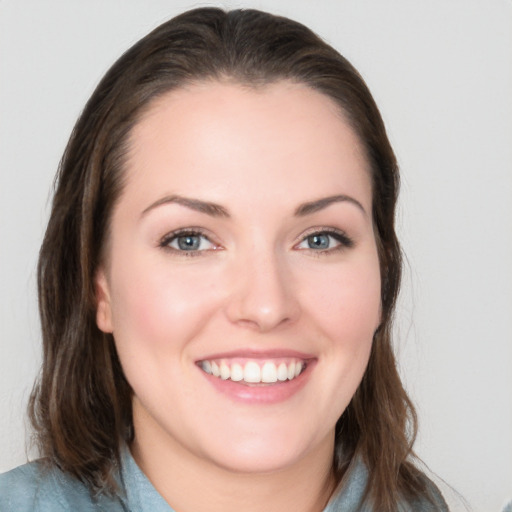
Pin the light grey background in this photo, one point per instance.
(441, 72)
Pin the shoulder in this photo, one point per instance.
(433, 503)
(35, 487)
(351, 495)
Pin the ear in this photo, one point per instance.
(103, 305)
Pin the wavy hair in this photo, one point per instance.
(80, 407)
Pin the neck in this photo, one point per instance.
(192, 484)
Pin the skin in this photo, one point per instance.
(255, 284)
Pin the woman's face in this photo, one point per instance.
(242, 280)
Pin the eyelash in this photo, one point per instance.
(174, 235)
(344, 241)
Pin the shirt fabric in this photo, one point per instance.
(35, 488)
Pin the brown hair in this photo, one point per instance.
(81, 406)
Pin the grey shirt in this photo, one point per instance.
(33, 488)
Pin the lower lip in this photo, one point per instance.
(261, 394)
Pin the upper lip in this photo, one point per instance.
(258, 354)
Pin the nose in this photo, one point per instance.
(264, 294)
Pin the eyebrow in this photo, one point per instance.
(324, 202)
(216, 210)
(212, 209)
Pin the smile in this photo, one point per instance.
(254, 371)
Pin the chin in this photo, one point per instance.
(256, 462)
(263, 452)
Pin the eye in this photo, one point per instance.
(187, 242)
(325, 240)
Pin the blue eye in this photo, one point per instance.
(320, 241)
(187, 242)
(325, 241)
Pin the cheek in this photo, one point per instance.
(160, 308)
(347, 302)
(345, 306)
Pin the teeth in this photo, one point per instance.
(207, 367)
(282, 372)
(237, 373)
(225, 372)
(269, 373)
(254, 372)
(291, 371)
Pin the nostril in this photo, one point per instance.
(262, 323)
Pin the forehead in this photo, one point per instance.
(281, 136)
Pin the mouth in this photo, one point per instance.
(255, 371)
(258, 377)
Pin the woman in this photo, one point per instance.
(217, 284)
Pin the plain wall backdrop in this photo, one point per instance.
(441, 73)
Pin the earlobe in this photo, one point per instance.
(103, 308)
